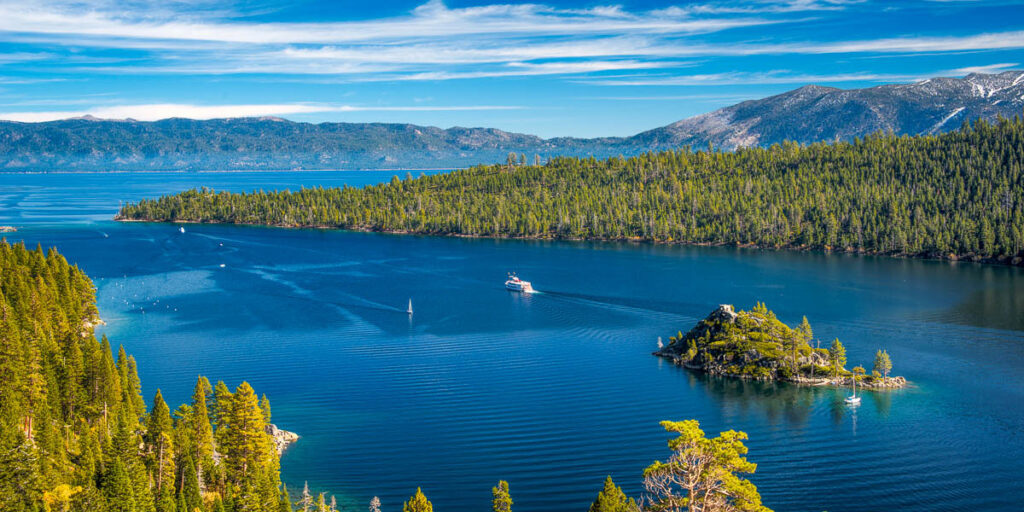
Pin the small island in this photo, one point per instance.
(756, 345)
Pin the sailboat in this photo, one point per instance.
(182, 229)
(409, 310)
(853, 399)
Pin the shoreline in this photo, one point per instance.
(282, 438)
(1015, 261)
(891, 384)
(215, 171)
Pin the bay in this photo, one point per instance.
(550, 391)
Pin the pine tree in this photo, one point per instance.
(109, 384)
(306, 500)
(246, 444)
(134, 389)
(883, 364)
(160, 444)
(265, 407)
(20, 482)
(806, 335)
(702, 474)
(74, 375)
(612, 499)
(418, 503)
(286, 501)
(190, 486)
(837, 353)
(182, 505)
(201, 430)
(165, 501)
(501, 499)
(117, 489)
(220, 410)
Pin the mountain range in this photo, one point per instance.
(809, 114)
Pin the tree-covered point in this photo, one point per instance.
(75, 434)
(956, 195)
(755, 344)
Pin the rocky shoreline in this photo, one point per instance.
(282, 438)
(867, 382)
(1013, 261)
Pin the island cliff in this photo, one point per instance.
(756, 345)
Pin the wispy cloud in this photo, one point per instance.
(430, 20)
(768, 77)
(438, 42)
(990, 68)
(154, 112)
(8, 58)
(702, 98)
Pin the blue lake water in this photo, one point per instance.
(551, 391)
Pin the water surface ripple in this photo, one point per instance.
(550, 391)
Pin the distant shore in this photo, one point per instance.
(951, 258)
(216, 171)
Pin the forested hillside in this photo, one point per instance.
(956, 195)
(808, 114)
(75, 433)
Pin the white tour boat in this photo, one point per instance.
(518, 285)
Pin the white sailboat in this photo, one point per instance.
(853, 399)
(181, 229)
(409, 310)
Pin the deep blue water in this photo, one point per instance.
(555, 390)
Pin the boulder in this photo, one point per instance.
(282, 438)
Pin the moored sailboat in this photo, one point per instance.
(853, 399)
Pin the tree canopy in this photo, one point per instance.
(955, 195)
(74, 430)
(702, 475)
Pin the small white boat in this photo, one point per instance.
(221, 265)
(853, 399)
(518, 285)
(409, 309)
(182, 229)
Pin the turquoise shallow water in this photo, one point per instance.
(555, 390)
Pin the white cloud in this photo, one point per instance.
(157, 111)
(530, 69)
(991, 68)
(769, 77)
(434, 41)
(8, 58)
(431, 20)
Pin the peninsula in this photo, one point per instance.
(955, 196)
(756, 345)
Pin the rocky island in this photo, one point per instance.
(756, 345)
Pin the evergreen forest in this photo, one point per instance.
(75, 432)
(958, 195)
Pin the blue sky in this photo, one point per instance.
(549, 68)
